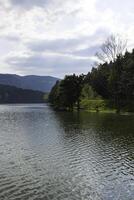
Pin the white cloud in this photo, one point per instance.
(66, 32)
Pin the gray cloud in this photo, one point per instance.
(58, 45)
(56, 64)
(86, 52)
(12, 38)
(59, 56)
(28, 4)
(81, 27)
(84, 46)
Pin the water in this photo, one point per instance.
(65, 156)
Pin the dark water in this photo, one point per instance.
(65, 156)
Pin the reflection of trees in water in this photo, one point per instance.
(106, 130)
(111, 123)
(100, 146)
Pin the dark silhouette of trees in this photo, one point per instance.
(54, 96)
(11, 94)
(115, 81)
(67, 92)
(99, 80)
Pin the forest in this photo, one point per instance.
(11, 94)
(108, 86)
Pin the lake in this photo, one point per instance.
(65, 156)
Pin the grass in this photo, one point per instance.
(96, 105)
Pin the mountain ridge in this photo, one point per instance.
(32, 82)
(12, 94)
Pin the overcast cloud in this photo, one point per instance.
(56, 37)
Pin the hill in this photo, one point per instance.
(11, 94)
(40, 83)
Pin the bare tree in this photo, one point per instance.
(113, 47)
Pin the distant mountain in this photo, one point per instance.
(11, 94)
(40, 83)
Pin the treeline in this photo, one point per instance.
(11, 94)
(111, 81)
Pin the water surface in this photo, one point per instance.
(65, 156)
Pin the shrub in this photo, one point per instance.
(96, 104)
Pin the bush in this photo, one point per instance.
(96, 104)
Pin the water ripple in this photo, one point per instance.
(65, 156)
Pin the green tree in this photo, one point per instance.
(70, 90)
(54, 96)
(99, 80)
(88, 92)
(67, 92)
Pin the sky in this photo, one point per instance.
(58, 37)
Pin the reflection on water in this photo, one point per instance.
(72, 156)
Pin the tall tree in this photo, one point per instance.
(67, 92)
(70, 90)
(99, 80)
(54, 96)
(113, 47)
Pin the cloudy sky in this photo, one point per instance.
(58, 37)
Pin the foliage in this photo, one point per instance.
(54, 95)
(11, 94)
(88, 92)
(67, 92)
(113, 82)
(94, 104)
